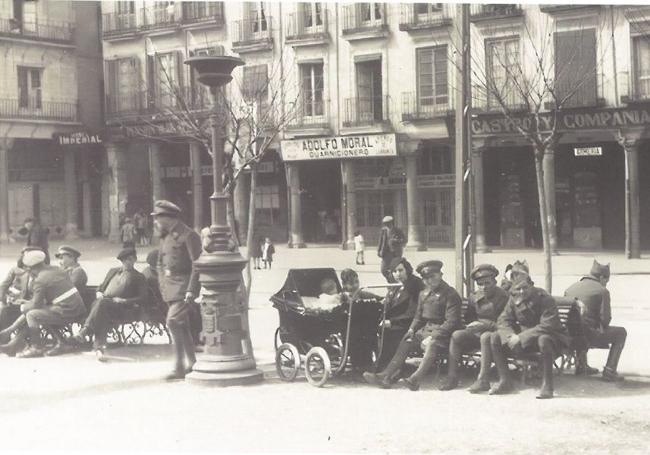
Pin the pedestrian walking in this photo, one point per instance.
(359, 246)
(128, 234)
(268, 250)
(256, 251)
(37, 236)
(140, 221)
(391, 246)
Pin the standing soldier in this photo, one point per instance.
(484, 307)
(179, 247)
(592, 291)
(391, 246)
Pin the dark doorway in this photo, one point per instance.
(320, 185)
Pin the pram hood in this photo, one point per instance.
(302, 283)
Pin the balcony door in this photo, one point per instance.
(125, 17)
(312, 90)
(257, 20)
(370, 14)
(642, 67)
(369, 92)
(29, 88)
(425, 11)
(433, 83)
(128, 74)
(575, 67)
(311, 16)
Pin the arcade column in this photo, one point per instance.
(632, 205)
(412, 207)
(197, 185)
(548, 164)
(155, 171)
(118, 190)
(71, 194)
(479, 199)
(86, 197)
(350, 208)
(5, 146)
(295, 222)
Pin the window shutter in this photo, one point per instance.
(152, 68)
(180, 69)
(575, 67)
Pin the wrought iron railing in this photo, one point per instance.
(414, 108)
(152, 17)
(58, 31)
(432, 14)
(252, 30)
(116, 23)
(33, 108)
(482, 11)
(364, 16)
(309, 113)
(301, 25)
(195, 12)
(361, 111)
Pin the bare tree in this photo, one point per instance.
(251, 112)
(518, 78)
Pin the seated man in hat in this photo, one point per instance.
(530, 322)
(55, 302)
(514, 270)
(123, 289)
(484, 307)
(69, 261)
(437, 315)
(391, 246)
(592, 291)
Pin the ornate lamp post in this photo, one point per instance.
(228, 356)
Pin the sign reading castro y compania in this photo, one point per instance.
(325, 148)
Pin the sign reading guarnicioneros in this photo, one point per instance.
(339, 147)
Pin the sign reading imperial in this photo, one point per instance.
(78, 138)
(364, 146)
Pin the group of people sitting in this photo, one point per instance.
(503, 321)
(36, 296)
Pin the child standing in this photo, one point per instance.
(359, 246)
(268, 250)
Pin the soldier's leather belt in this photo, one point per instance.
(65, 295)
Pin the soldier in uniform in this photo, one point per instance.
(69, 261)
(55, 302)
(592, 291)
(437, 315)
(179, 247)
(529, 323)
(123, 289)
(391, 246)
(12, 288)
(484, 307)
(512, 272)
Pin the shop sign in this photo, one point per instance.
(569, 120)
(436, 181)
(78, 138)
(337, 147)
(588, 151)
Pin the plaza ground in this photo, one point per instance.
(74, 403)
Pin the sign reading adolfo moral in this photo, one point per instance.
(336, 147)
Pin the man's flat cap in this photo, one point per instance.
(164, 207)
(33, 257)
(387, 219)
(66, 249)
(484, 270)
(427, 268)
(127, 252)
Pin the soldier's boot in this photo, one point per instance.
(546, 348)
(59, 345)
(388, 377)
(455, 354)
(619, 335)
(582, 367)
(36, 349)
(428, 361)
(178, 341)
(504, 385)
(482, 383)
(17, 344)
(189, 350)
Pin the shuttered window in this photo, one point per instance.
(123, 82)
(502, 58)
(642, 67)
(575, 67)
(433, 84)
(255, 84)
(312, 89)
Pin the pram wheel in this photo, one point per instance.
(287, 362)
(317, 366)
(277, 341)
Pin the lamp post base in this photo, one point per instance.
(222, 371)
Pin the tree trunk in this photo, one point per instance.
(546, 241)
(232, 221)
(250, 235)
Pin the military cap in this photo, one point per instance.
(484, 270)
(520, 267)
(65, 249)
(600, 270)
(164, 207)
(33, 257)
(126, 252)
(387, 219)
(427, 268)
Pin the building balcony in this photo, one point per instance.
(309, 119)
(45, 31)
(367, 115)
(561, 8)
(363, 21)
(414, 109)
(432, 15)
(307, 30)
(252, 35)
(36, 109)
(200, 13)
(152, 102)
(482, 12)
(116, 25)
(160, 19)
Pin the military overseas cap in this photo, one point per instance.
(65, 249)
(520, 267)
(483, 271)
(387, 219)
(428, 268)
(600, 270)
(163, 207)
(126, 252)
(33, 257)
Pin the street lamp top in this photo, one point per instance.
(214, 70)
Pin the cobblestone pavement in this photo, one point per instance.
(74, 403)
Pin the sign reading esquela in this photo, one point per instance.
(364, 146)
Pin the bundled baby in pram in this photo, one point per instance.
(327, 300)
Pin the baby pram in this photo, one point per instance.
(323, 338)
